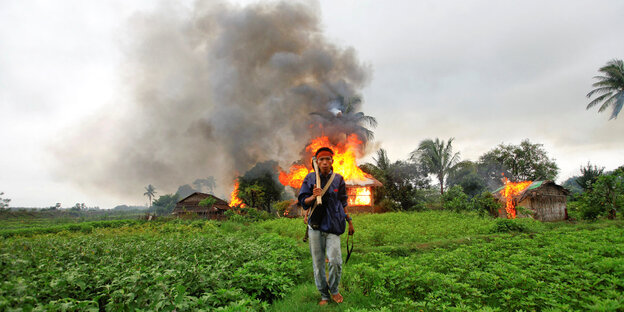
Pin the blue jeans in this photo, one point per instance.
(325, 244)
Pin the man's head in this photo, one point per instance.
(325, 159)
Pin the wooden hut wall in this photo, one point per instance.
(548, 204)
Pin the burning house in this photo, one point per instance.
(360, 194)
(360, 185)
(544, 200)
(189, 206)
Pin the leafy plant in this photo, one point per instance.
(455, 199)
(589, 175)
(605, 198)
(207, 202)
(486, 204)
(508, 225)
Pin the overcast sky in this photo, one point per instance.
(484, 72)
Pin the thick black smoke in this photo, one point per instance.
(211, 91)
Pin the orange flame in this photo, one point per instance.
(359, 196)
(510, 190)
(344, 161)
(294, 177)
(344, 156)
(234, 200)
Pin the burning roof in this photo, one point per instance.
(514, 193)
(529, 190)
(359, 184)
(345, 155)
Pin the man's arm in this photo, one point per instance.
(308, 192)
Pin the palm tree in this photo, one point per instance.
(151, 192)
(437, 158)
(344, 112)
(609, 88)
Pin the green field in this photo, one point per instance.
(430, 261)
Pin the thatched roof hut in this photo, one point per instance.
(360, 193)
(546, 200)
(360, 197)
(189, 206)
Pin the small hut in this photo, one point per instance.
(189, 206)
(360, 197)
(546, 200)
(360, 194)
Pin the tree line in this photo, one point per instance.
(407, 184)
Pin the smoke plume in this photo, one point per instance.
(211, 91)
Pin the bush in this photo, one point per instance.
(282, 206)
(590, 210)
(245, 215)
(456, 200)
(208, 202)
(574, 210)
(486, 204)
(508, 225)
(388, 204)
(605, 198)
(420, 207)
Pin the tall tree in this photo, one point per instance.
(609, 88)
(526, 161)
(437, 157)
(151, 192)
(165, 204)
(589, 175)
(400, 179)
(260, 187)
(466, 176)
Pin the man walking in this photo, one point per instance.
(326, 223)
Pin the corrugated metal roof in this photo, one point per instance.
(533, 185)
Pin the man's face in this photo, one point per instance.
(325, 163)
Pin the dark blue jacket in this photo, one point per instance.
(329, 216)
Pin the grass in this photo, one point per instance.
(433, 260)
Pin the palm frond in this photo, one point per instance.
(382, 161)
(609, 88)
(597, 100)
(607, 103)
(370, 120)
(601, 91)
(615, 74)
(618, 105)
(370, 135)
(606, 83)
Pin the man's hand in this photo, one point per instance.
(316, 192)
(351, 229)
